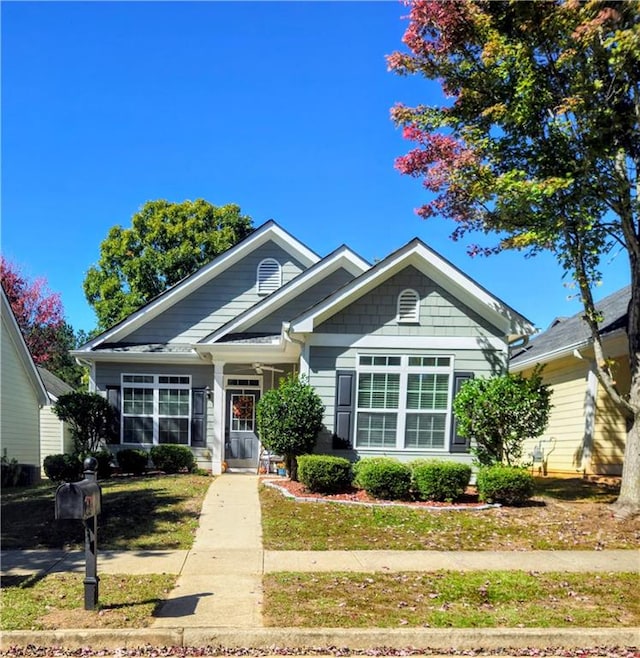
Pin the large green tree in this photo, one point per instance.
(538, 143)
(165, 243)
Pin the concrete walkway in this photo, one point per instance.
(220, 578)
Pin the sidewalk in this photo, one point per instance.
(218, 595)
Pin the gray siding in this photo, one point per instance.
(216, 302)
(308, 298)
(441, 314)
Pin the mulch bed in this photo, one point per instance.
(296, 489)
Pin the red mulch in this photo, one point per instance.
(297, 489)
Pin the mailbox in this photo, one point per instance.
(78, 500)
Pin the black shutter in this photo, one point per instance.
(113, 397)
(345, 407)
(198, 415)
(459, 443)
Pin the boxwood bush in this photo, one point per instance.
(383, 477)
(324, 473)
(133, 460)
(508, 485)
(439, 480)
(172, 458)
(63, 467)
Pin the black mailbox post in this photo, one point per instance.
(83, 500)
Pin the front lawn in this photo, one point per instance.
(446, 599)
(566, 515)
(140, 513)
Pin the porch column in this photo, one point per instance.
(217, 452)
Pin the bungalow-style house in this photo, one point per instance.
(55, 436)
(586, 433)
(385, 346)
(22, 394)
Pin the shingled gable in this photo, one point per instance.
(438, 269)
(270, 231)
(342, 257)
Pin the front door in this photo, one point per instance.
(242, 447)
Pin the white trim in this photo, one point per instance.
(435, 267)
(217, 451)
(305, 367)
(265, 233)
(407, 342)
(257, 387)
(342, 258)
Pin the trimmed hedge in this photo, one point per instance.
(172, 458)
(383, 477)
(104, 458)
(508, 485)
(63, 467)
(325, 473)
(133, 460)
(439, 480)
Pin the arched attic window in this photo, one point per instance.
(269, 276)
(408, 306)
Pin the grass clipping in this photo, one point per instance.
(447, 599)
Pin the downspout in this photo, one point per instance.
(304, 349)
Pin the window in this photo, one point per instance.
(408, 306)
(269, 276)
(156, 409)
(403, 402)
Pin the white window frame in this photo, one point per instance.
(408, 299)
(154, 384)
(268, 276)
(404, 370)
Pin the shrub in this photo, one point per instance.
(324, 473)
(172, 458)
(289, 419)
(439, 480)
(383, 477)
(499, 413)
(104, 458)
(508, 485)
(11, 472)
(132, 460)
(63, 468)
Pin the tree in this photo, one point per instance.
(166, 243)
(92, 420)
(499, 413)
(538, 144)
(40, 316)
(289, 419)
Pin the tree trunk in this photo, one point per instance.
(628, 502)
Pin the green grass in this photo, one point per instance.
(448, 599)
(57, 601)
(143, 513)
(569, 516)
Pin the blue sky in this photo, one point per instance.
(280, 107)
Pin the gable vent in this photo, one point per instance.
(269, 276)
(408, 306)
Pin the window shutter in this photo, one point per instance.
(408, 306)
(345, 398)
(113, 398)
(459, 443)
(269, 276)
(198, 416)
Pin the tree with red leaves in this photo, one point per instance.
(538, 143)
(40, 316)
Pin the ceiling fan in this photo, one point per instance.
(260, 367)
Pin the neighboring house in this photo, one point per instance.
(385, 346)
(586, 432)
(22, 394)
(55, 437)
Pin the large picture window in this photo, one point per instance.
(403, 402)
(156, 409)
